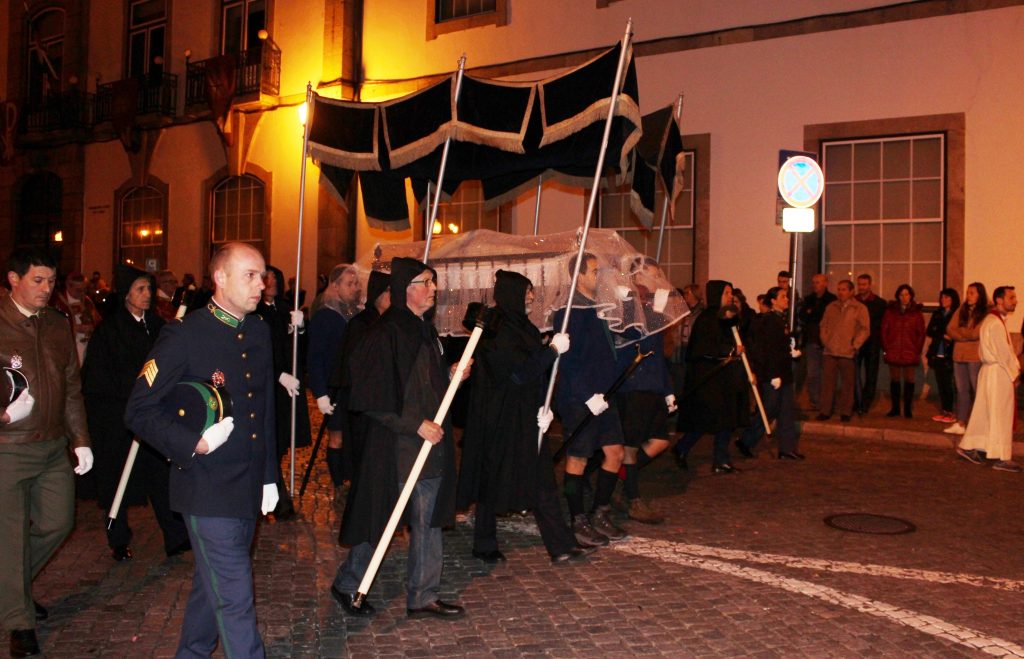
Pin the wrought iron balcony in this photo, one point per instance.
(156, 94)
(61, 111)
(257, 73)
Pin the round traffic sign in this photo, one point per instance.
(801, 182)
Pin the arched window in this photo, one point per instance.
(239, 212)
(143, 222)
(45, 56)
(39, 222)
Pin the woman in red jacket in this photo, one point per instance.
(903, 332)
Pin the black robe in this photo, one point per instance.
(353, 426)
(117, 351)
(713, 400)
(500, 462)
(382, 367)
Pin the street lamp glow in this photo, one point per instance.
(303, 113)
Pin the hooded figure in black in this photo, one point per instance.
(274, 310)
(378, 299)
(715, 396)
(402, 379)
(116, 353)
(501, 469)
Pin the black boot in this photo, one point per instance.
(908, 399)
(894, 393)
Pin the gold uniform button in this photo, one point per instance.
(249, 395)
(244, 355)
(248, 376)
(254, 435)
(181, 412)
(241, 335)
(252, 415)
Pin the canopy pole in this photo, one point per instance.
(664, 207)
(426, 215)
(444, 163)
(626, 39)
(536, 207)
(298, 279)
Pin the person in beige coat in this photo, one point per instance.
(844, 329)
(963, 328)
(990, 431)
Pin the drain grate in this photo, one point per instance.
(868, 523)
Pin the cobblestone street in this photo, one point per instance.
(744, 566)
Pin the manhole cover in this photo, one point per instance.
(867, 523)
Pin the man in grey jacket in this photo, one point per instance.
(844, 329)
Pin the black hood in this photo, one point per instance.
(376, 285)
(279, 299)
(403, 271)
(713, 293)
(125, 275)
(510, 291)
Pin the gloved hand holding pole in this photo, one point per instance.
(417, 467)
(753, 384)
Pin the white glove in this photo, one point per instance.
(560, 342)
(269, 498)
(670, 401)
(544, 419)
(622, 292)
(324, 405)
(21, 407)
(794, 353)
(218, 433)
(85, 460)
(776, 383)
(298, 320)
(290, 384)
(597, 404)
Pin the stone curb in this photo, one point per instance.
(916, 437)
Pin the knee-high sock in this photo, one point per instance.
(572, 488)
(606, 481)
(631, 487)
(642, 459)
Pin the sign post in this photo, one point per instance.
(801, 184)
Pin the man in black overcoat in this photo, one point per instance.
(403, 379)
(502, 470)
(115, 356)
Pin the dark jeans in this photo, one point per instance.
(426, 557)
(721, 447)
(943, 367)
(778, 405)
(812, 360)
(966, 387)
(867, 376)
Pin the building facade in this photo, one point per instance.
(153, 130)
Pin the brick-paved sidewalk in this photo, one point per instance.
(673, 590)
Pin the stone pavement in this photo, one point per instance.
(744, 566)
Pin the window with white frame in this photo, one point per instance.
(883, 212)
(147, 27)
(677, 250)
(239, 213)
(141, 240)
(465, 211)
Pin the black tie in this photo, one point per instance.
(142, 321)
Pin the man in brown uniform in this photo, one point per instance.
(36, 483)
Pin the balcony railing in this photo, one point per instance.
(61, 111)
(157, 94)
(257, 72)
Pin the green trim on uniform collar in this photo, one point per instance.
(223, 316)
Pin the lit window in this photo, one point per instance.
(141, 240)
(466, 212)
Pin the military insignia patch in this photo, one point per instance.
(149, 371)
(217, 379)
(16, 361)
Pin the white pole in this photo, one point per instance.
(590, 214)
(426, 215)
(115, 507)
(664, 207)
(298, 273)
(444, 163)
(417, 467)
(536, 207)
(750, 379)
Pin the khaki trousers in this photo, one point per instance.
(832, 366)
(37, 486)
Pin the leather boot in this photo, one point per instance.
(908, 399)
(894, 394)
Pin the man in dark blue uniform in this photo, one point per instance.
(222, 477)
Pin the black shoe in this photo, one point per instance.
(744, 451)
(602, 523)
(180, 549)
(492, 556)
(437, 609)
(41, 612)
(845, 418)
(823, 417)
(586, 535)
(121, 553)
(345, 599)
(725, 468)
(24, 643)
(791, 455)
(681, 462)
(573, 554)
